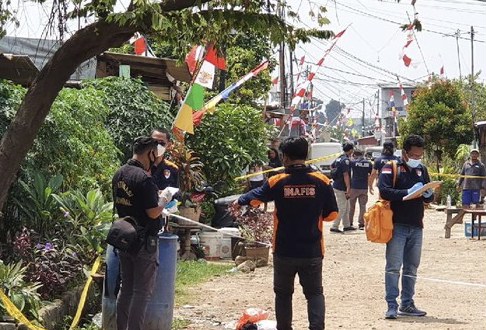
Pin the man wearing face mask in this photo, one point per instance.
(164, 172)
(135, 194)
(405, 247)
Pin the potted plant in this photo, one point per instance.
(256, 227)
(191, 180)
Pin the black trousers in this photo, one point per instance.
(138, 275)
(310, 278)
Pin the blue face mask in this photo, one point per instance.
(414, 163)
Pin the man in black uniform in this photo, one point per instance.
(379, 162)
(403, 251)
(342, 188)
(360, 170)
(303, 200)
(135, 194)
(164, 172)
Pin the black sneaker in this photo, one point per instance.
(391, 313)
(335, 230)
(361, 227)
(349, 228)
(410, 310)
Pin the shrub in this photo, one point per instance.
(52, 264)
(133, 110)
(74, 142)
(24, 295)
(228, 141)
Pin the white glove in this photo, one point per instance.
(165, 196)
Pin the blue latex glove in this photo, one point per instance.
(428, 193)
(415, 187)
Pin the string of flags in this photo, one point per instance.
(193, 109)
(194, 100)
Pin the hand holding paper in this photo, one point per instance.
(415, 187)
(419, 189)
(428, 193)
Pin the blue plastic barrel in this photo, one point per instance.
(111, 287)
(161, 307)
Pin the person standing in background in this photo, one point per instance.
(386, 156)
(164, 172)
(471, 187)
(273, 162)
(342, 188)
(360, 170)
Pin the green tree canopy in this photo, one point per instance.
(333, 110)
(441, 115)
(182, 23)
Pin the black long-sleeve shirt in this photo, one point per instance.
(410, 212)
(303, 199)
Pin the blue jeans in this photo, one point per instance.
(310, 278)
(404, 249)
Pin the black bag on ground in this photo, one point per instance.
(126, 235)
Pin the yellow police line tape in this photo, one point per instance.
(315, 160)
(310, 161)
(13, 311)
(84, 294)
(458, 175)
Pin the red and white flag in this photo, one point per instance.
(301, 88)
(403, 94)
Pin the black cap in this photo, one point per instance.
(388, 145)
(348, 146)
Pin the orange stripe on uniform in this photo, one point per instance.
(321, 177)
(332, 216)
(272, 181)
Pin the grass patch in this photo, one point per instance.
(179, 324)
(190, 273)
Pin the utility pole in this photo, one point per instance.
(283, 82)
(291, 68)
(363, 120)
(473, 107)
(458, 56)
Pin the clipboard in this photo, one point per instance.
(418, 193)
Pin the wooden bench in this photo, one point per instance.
(451, 221)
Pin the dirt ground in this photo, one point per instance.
(451, 286)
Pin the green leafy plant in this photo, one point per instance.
(88, 218)
(38, 204)
(23, 294)
(191, 176)
(133, 110)
(228, 141)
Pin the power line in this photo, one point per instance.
(398, 23)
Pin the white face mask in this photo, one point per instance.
(160, 150)
(414, 163)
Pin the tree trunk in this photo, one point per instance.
(20, 135)
(83, 45)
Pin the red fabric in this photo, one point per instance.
(212, 57)
(191, 60)
(197, 117)
(140, 46)
(406, 60)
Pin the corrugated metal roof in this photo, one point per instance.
(153, 70)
